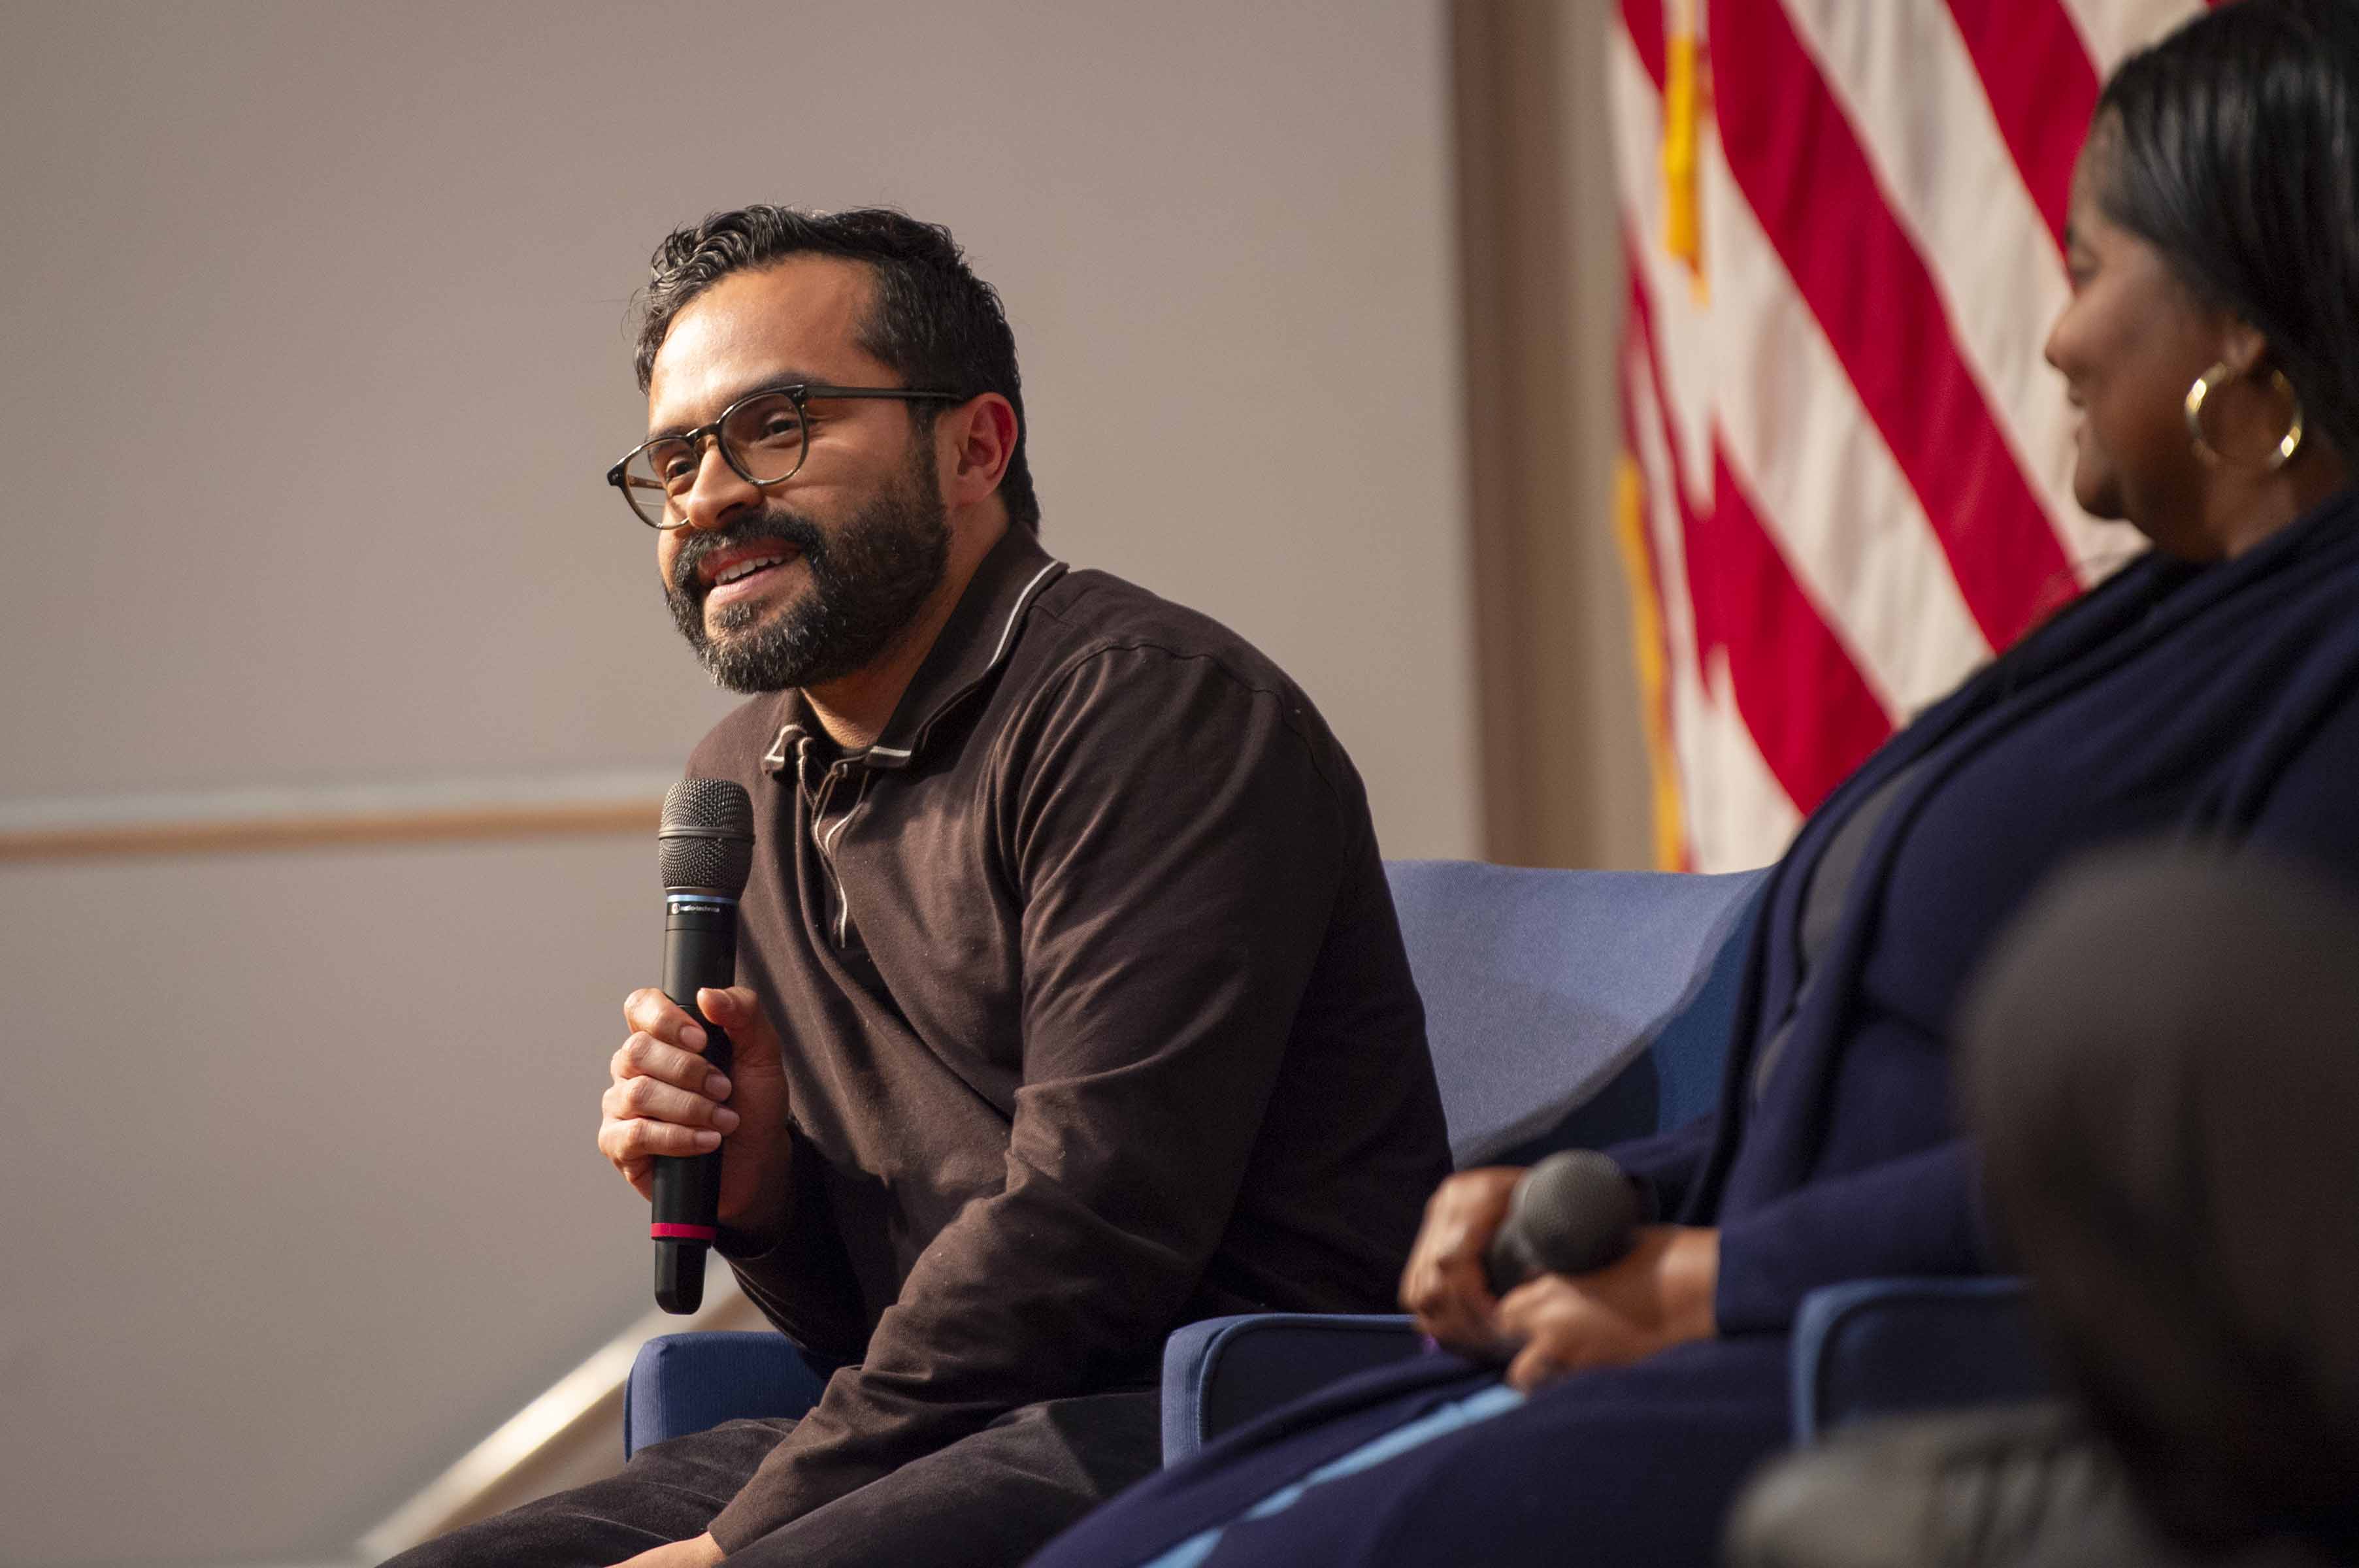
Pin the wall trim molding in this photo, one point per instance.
(248, 821)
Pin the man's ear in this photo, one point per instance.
(975, 441)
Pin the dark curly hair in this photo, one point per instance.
(2231, 146)
(934, 321)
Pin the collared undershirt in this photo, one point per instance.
(816, 753)
(1823, 907)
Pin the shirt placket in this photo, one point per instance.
(817, 801)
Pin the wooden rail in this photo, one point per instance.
(570, 1433)
(243, 824)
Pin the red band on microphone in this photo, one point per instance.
(663, 1231)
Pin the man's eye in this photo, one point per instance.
(769, 426)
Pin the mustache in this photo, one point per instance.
(785, 526)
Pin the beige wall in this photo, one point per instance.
(313, 332)
(1564, 766)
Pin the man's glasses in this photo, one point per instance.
(762, 437)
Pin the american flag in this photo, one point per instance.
(1846, 471)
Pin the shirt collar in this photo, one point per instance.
(972, 644)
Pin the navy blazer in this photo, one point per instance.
(2217, 702)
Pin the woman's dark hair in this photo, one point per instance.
(934, 321)
(2233, 147)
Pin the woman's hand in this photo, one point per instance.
(1657, 1294)
(1444, 1284)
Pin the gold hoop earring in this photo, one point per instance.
(2287, 446)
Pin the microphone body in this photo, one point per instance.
(707, 843)
(700, 949)
(1573, 1212)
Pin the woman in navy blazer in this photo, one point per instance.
(2209, 690)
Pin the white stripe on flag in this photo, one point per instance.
(1746, 821)
(2112, 28)
(1845, 518)
(1905, 80)
(1676, 604)
(1829, 490)
(1736, 815)
(1683, 336)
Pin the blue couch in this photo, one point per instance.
(1566, 1009)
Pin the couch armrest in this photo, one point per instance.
(1223, 1371)
(686, 1382)
(1875, 1348)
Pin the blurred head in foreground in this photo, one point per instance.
(2162, 1062)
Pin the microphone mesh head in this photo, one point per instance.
(706, 841)
(1574, 1211)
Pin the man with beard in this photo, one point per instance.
(1074, 1008)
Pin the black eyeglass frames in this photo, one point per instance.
(763, 437)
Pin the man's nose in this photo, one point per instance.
(719, 494)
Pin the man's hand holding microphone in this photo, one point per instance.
(665, 1099)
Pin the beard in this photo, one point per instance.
(869, 577)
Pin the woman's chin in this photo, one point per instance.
(2099, 494)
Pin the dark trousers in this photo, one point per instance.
(989, 1499)
(1629, 1466)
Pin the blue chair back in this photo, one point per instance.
(1571, 1008)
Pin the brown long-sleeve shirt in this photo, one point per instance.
(1095, 1013)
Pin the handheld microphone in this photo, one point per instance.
(707, 848)
(1572, 1212)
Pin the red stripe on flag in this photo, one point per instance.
(2042, 87)
(1795, 157)
(1809, 711)
(1644, 19)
